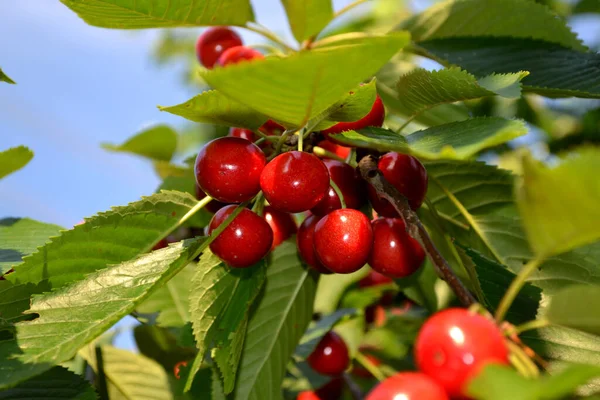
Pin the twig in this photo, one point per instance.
(353, 387)
(264, 31)
(370, 173)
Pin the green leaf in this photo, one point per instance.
(576, 307)
(14, 299)
(161, 345)
(586, 6)
(307, 17)
(295, 89)
(157, 143)
(5, 78)
(215, 108)
(126, 14)
(353, 107)
(318, 329)
(559, 205)
(332, 287)
(14, 159)
(276, 325)
(56, 383)
(492, 18)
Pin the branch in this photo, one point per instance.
(370, 173)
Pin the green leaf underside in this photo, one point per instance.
(332, 287)
(56, 383)
(141, 14)
(317, 330)
(307, 17)
(215, 108)
(157, 143)
(5, 78)
(295, 89)
(576, 307)
(14, 159)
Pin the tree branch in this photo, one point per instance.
(370, 173)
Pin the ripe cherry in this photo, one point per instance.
(242, 133)
(305, 244)
(330, 357)
(375, 117)
(395, 253)
(408, 386)
(228, 169)
(238, 54)
(453, 345)
(271, 128)
(374, 278)
(350, 184)
(294, 181)
(282, 224)
(340, 151)
(343, 240)
(213, 42)
(408, 175)
(213, 206)
(245, 241)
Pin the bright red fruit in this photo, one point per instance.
(330, 357)
(453, 345)
(228, 169)
(242, 133)
(294, 181)
(177, 368)
(340, 151)
(350, 184)
(408, 175)
(343, 240)
(305, 243)
(373, 279)
(213, 42)
(408, 386)
(395, 253)
(271, 128)
(374, 117)
(245, 241)
(213, 206)
(282, 224)
(238, 54)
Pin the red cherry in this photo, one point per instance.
(453, 345)
(408, 386)
(242, 133)
(245, 241)
(282, 224)
(343, 240)
(213, 42)
(350, 184)
(340, 151)
(408, 175)
(374, 117)
(177, 369)
(305, 244)
(238, 54)
(271, 128)
(395, 253)
(294, 181)
(330, 357)
(228, 169)
(213, 206)
(374, 278)
(332, 390)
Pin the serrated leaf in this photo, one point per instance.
(215, 108)
(318, 329)
(56, 383)
(332, 287)
(352, 107)
(576, 307)
(157, 143)
(5, 78)
(559, 205)
(125, 14)
(14, 159)
(307, 17)
(14, 299)
(295, 89)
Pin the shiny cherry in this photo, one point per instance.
(213, 206)
(238, 54)
(340, 151)
(242, 133)
(375, 117)
(245, 241)
(374, 278)
(395, 253)
(271, 128)
(213, 42)
(305, 244)
(228, 169)
(330, 357)
(408, 386)
(408, 175)
(282, 224)
(350, 184)
(294, 181)
(454, 344)
(343, 240)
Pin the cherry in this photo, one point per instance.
(340, 151)
(305, 244)
(408, 175)
(245, 241)
(228, 169)
(350, 184)
(271, 128)
(332, 390)
(242, 133)
(213, 42)
(213, 206)
(343, 240)
(374, 278)
(282, 224)
(235, 55)
(374, 117)
(453, 345)
(408, 386)
(294, 181)
(330, 357)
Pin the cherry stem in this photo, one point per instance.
(280, 143)
(528, 326)
(310, 41)
(259, 204)
(516, 285)
(300, 140)
(339, 193)
(265, 32)
(370, 173)
(319, 151)
(353, 387)
(369, 366)
(406, 123)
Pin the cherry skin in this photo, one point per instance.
(271, 128)
(213, 206)
(294, 181)
(282, 224)
(453, 345)
(343, 240)
(330, 357)
(408, 386)
(374, 278)
(340, 151)
(350, 184)
(235, 55)
(408, 175)
(332, 390)
(213, 42)
(228, 169)
(305, 244)
(375, 117)
(242, 133)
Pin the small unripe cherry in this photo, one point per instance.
(213, 42)
(213, 206)
(350, 184)
(330, 357)
(305, 244)
(282, 224)
(375, 117)
(235, 55)
(408, 386)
